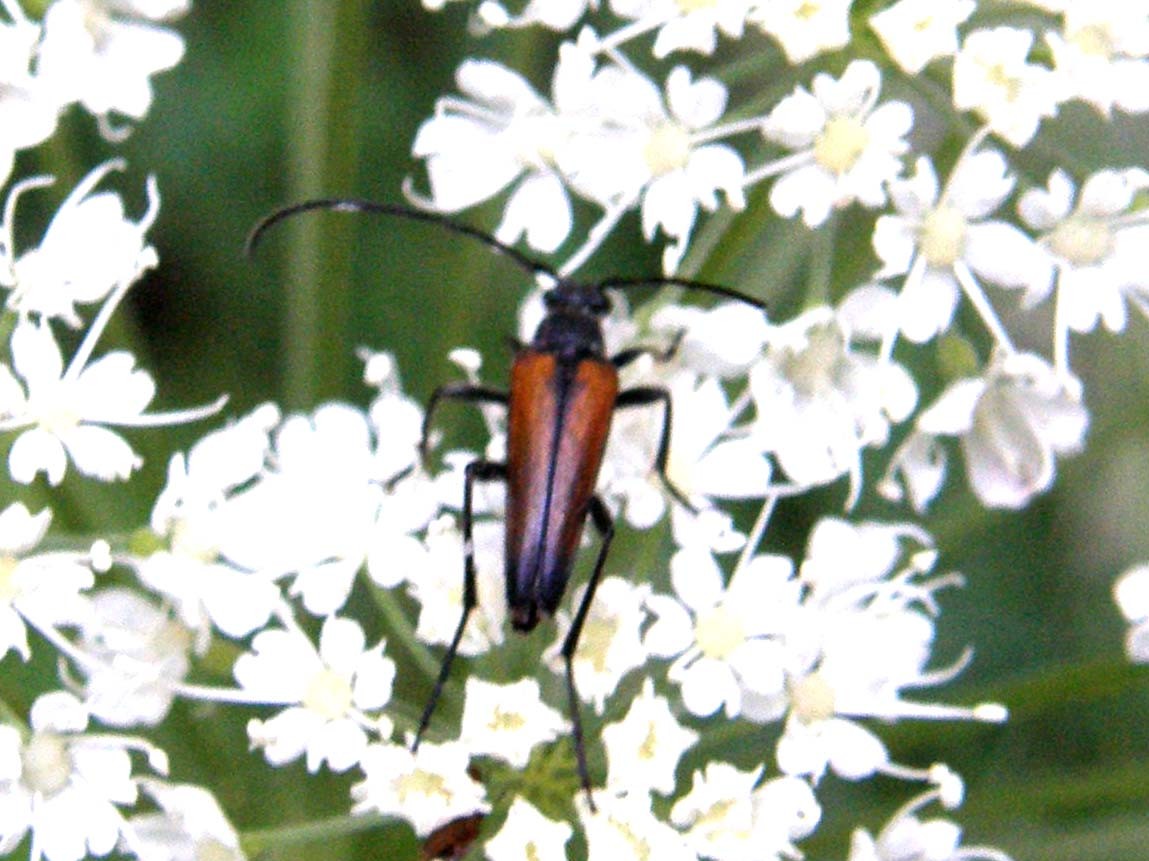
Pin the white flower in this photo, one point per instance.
(717, 815)
(64, 785)
(136, 653)
(723, 341)
(89, 249)
(312, 514)
(191, 514)
(719, 635)
(507, 721)
(103, 53)
(526, 833)
(1102, 54)
(427, 788)
(610, 644)
(917, 469)
(940, 241)
(42, 589)
(190, 825)
(785, 810)
(820, 400)
(914, 32)
(1012, 422)
(65, 413)
(1131, 592)
(1098, 245)
(805, 28)
(438, 587)
(28, 109)
(502, 134)
(643, 749)
(847, 145)
(554, 14)
(624, 822)
(683, 26)
(991, 76)
(703, 461)
(854, 633)
(656, 152)
(326, 692)
(906, 836)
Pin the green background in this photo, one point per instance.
(280, 101)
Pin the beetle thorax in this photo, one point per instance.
(570, 332)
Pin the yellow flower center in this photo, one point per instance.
(841, 144)
(536, 140)
(942, 236)
(667, 149)
(505, 721)
(47, 764)
(718, 633)
(812, 699)
(1094, 40)
(808, 11)
(999, 76)
(53, 409)
(639, 848)
(594, 644)
(1082, 240)
(811, 370)
(649, 747)
(688, 6)
(422, 783)
(328, 694)
(210, 849)
(191, 539)
(8, 590)
(714, 819)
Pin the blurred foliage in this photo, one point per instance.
(276, 101)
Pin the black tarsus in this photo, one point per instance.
(604, 524)
(476, 470)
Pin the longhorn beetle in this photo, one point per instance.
(564, 390)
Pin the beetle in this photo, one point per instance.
(563, 392)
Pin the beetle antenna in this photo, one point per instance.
(715, 289)
(338, 204)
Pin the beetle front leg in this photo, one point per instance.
(478, 470)
(603, 522)
(643, 396)
(621, 360)
(456, 392)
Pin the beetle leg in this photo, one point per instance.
(478, 470)
(456, 392)
(641, 396)
(621, 360)
(604, 523)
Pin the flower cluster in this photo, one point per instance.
(268, 525)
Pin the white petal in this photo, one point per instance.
(540, 209)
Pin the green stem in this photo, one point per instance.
(259, 840)
(329, 47)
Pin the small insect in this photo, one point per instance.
(564, 390)
(451, 841)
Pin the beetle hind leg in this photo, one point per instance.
(604, 523)
(479, 470)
